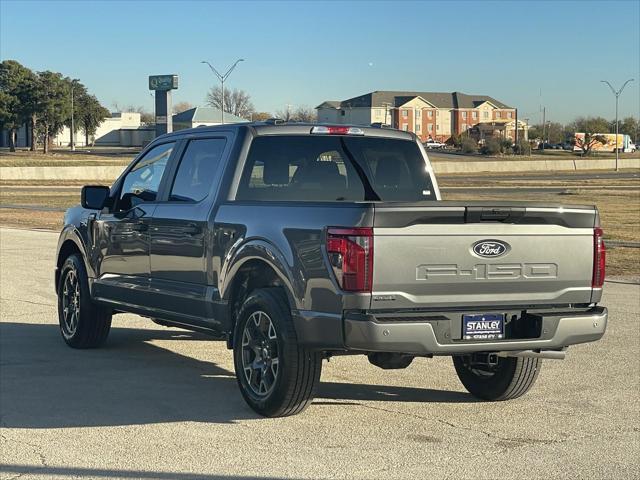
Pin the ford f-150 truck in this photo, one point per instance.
(294, 243)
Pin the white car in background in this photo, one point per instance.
(432, 144)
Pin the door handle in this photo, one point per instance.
(192, 229)
(140, 227)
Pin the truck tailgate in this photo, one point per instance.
(452, 254)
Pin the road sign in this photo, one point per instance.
(163, 82)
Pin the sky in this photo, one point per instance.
(525, 54)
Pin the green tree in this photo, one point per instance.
(629, 126)
(468, 145)
(592, 128)
(535, 132)
(491, 146)
(15, 103)
(8, 117)
(554, 132)
(55, 106)
(90, 115)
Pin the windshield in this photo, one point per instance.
(334, 169)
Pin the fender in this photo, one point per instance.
(259, 249)
(70, 233)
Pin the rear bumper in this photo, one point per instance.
(372, 333)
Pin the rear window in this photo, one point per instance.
(334, 169)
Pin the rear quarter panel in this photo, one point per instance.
(291, 239)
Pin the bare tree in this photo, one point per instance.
(182, 107)
(236, 102)
(301, 113)
(285, 114)
(304, 114)
(146, 117)
(260, 116)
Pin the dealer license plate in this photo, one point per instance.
(487, 326)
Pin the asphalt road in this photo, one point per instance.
(159, 403)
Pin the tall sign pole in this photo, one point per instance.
(162, 85)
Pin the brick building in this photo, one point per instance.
(435, 115)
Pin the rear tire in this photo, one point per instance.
(277, 376)
(511, 378)
(83, 324)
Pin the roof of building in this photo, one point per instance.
(382, 98)
(205, 115)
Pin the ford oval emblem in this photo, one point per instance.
(490, 248)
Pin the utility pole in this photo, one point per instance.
(544, 113)
(516, 135)
(222, 78)
(617, 94)
(73, 126)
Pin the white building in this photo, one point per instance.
(122, 129)
(199, 116)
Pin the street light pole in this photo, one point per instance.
(222, 78)
(617, 94)
(73, 131)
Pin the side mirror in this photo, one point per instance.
(94, 197)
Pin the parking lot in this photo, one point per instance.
(163, 403)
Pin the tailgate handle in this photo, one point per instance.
(494, 214)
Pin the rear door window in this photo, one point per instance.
(334, 169)
(197, 170)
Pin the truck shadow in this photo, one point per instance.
(45, 384)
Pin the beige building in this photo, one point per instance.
(430, 115)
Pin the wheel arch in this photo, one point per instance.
(256, 266)
(69, 243)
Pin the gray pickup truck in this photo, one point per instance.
(294, 243)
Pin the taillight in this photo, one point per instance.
(350, 252)
(599, 258)
(336, 130)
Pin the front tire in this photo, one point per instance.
(277, 376)
(83, 324)
(511, 378)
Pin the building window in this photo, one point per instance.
(430, 127)
(497, 114)
(474, 115)
(509, 114)
(342, 112)
(437, 127)
(418, 113)
(405, 127)
(464, 127)
(464, 115)
(485, 114)
(437, 113)
(405, 113)
(418, 128)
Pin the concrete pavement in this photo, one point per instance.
(159, 403)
